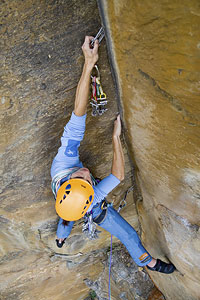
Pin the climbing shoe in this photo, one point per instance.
(162, 267)
(60, 244)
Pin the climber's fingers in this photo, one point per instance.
(91, 54)
(87, 41)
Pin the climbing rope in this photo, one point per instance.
(122, 204)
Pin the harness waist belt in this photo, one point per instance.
(101, 217)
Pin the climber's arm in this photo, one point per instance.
(73, 134)
(110, 182)
(118, 155)
(82, 92)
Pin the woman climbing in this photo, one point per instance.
(76, 191)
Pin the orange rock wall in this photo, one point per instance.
(155, 52)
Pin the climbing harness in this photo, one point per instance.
(90, 223)
(122, 204)
(100, 35)
(98, 97)
(89, 226)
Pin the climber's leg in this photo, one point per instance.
(119, 227)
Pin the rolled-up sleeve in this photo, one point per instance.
(104, 187)
(68, 154)
(108, 184)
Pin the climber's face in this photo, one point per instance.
(83, 173)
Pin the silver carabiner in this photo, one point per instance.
(98, 73)
(100, 35)
(123, 201)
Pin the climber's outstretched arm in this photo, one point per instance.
(118, 155)
(82, 92)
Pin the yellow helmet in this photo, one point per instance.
(74, 197)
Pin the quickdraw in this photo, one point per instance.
(98, 97)
(122, 203)
(89, 228)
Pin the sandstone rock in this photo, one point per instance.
(154, 50)
(41, 62)
(127, 281)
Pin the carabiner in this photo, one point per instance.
(102, 96)
(100, 35)
(123, 201)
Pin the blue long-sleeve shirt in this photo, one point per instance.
(68, 157)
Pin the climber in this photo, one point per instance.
(77, 193)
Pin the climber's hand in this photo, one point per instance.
(117, 127)
(91, 54)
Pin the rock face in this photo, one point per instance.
(41, 62)
(155, 51)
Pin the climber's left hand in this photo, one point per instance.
(117, 127)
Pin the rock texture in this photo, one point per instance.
(128, 282)
(40, 63)
(155, 51)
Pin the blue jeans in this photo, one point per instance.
(120, 228)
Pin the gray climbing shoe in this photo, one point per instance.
(162, 267)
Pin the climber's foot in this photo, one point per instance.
(162, 267)
(60, 242)
(152, 262)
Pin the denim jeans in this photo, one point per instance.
(120, 228)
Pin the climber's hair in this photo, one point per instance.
(65, 223)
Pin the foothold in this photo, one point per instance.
(43, 86)
(3, 100)
(90, 198)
